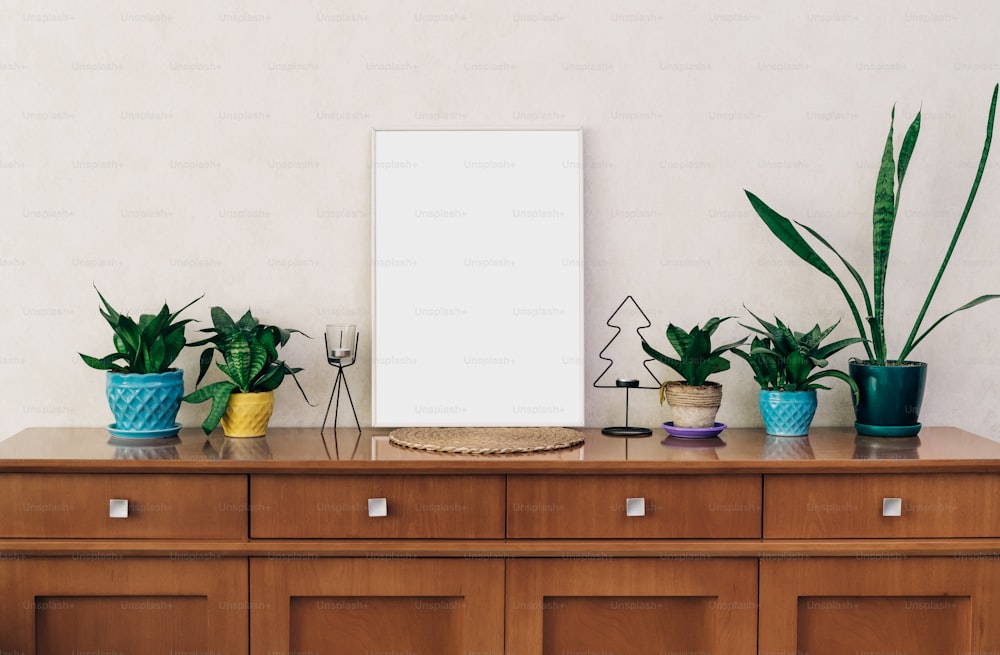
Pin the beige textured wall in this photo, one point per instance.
(166, 149)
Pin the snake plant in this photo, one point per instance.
(149, 346)
(784, 360)
(871, 324)
(696, 358)
(250, 361)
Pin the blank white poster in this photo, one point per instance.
(477, 278)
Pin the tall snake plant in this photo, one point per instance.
(871, 326)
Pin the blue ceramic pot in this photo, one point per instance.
(787, 413)
(145, 402)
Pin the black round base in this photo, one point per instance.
(627, 432)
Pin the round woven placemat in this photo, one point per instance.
(486, 441)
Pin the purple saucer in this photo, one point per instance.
(694, 433)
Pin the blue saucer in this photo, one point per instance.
(144, 434)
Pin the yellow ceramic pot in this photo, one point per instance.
(247, 414)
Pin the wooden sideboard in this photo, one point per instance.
(294, 544)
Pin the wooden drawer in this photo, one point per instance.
(595, 507)
(415, 506)
(77, 506)
(851, 506)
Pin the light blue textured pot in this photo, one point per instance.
(144, 402)
(787, 413)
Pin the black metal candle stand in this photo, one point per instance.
(626, 430)
(341, 380)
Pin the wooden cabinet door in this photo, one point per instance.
(100, 603)
(349, 606)
(880, 604)
(631, 606)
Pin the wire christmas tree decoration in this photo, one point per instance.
(625, 382)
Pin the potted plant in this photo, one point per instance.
(144, 391)
(243, 403)
(784, 364)
(891, 388)
(694, 401)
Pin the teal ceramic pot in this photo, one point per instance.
(890, 400)
(145, 403)
(787, 413)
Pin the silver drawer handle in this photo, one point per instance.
(118, 508)
(635, 507)
(892, 507)
(377, 507)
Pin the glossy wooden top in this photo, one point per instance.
(304, 450)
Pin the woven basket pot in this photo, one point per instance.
(693, 407)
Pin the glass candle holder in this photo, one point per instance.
(340, 343)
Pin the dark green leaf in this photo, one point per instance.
(283, 335)
(218, 393)
(663, 359)
(247, 322)
(727, 348)
(269, 340)
(782, 228)
(832, 348)
(155, 325)
(292, 372)
(129, 333)
(222, 321)
(909, 143)
(798, 367)
(106, 363)
(771, 329)
(712, 324)
(157, 351)
(755, 330)
(174, 316)
(205, 361)
(699, 347)
(225, 368)
(145, 320)
(258, 362)
(236, 351)
(708, 367)
(678, 338)
(883, 220)
(108, 312)
(969, 305)
(173, 342)
(858, 280)
(765, 351)
(840, 375)
(910, 343)
(823, 334)
(271, 379)
(123, 348)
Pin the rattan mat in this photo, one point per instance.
(486, 441)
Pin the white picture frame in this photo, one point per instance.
(477, 278)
